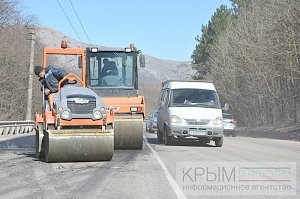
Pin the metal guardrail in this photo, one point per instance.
(16, 127)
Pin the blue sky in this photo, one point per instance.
(165, 29)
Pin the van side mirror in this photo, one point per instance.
(142, 61)
(161, 104)
(226, 107)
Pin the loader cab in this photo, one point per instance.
(113, 72)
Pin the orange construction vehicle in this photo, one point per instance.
(80, 127)
(113, 74)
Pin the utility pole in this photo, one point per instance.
(30, 80)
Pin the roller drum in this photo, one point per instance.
(128, 131)
(80, 145)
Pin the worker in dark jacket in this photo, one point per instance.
(50, 77)
(109, 68)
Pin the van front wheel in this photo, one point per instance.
(219, 141)
(159, 136)
(168, 139)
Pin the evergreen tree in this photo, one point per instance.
(210, 32)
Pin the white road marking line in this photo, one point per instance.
(174, 185)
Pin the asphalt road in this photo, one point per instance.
(147, 173)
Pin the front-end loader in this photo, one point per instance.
(119, 90)
(80, 127)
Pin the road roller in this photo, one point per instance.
(79, 127)
(113, 74)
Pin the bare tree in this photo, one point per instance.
(255, 64)
(14, 60)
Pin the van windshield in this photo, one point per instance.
(195, 97)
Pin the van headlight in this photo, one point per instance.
(65, 115)
(218, 121)
(97, 115)
(176, 119)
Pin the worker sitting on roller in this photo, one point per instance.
(50, 77)
(109, 68)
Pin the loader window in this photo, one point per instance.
(124, 67)
(129, 71)
(94, 70)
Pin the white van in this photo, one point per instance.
(189, 109)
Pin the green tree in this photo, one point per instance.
(210, 33)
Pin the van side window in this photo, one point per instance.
(161, 99)
(167, 98)
(162, 96)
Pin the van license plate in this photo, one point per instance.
(197, 132)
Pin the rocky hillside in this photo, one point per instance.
(150, 77)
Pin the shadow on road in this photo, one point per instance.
(23, 145)
(21, 142)
(178, 142)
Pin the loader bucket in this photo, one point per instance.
(128, 131)
(78, 145)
